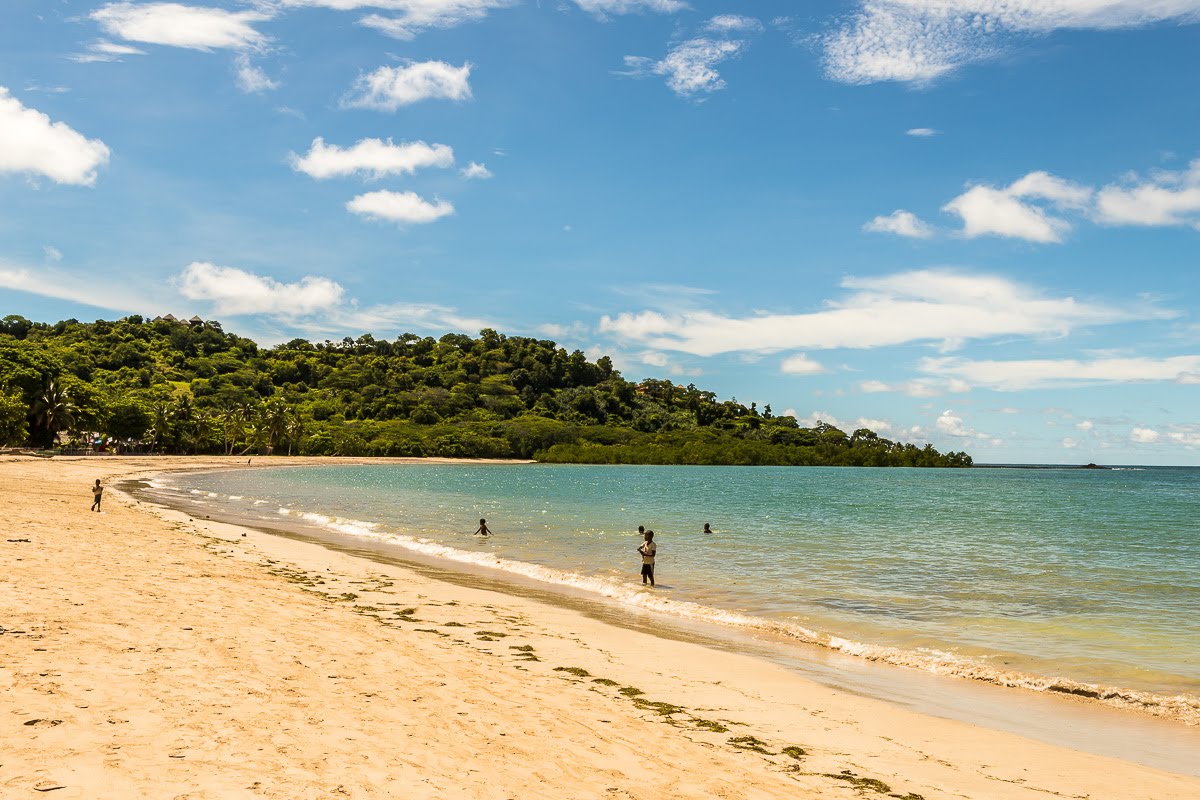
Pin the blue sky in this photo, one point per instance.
(969, 222)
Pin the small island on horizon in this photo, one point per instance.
(187, 387)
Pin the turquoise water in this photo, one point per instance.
(1085, 581)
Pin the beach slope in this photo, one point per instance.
(146, 654)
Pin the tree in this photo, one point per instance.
(53, 411)
(14, 422)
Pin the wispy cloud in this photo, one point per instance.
(252, 79)
(919, 306)
(389, 88)
(603, 9)
(918, 41)
(690, 66)
(922, 132)
(1045, 373)
(408, 18)
(375, 158)
(31, 144)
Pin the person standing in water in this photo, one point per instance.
(648, 549)
(97, 493)
(706, 529)
(483, 528)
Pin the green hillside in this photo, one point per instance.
(172, 386)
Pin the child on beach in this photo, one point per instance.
(483, 528)
(648, 549)
(97, 492)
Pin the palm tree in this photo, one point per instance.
(162, 414)
(53, 411)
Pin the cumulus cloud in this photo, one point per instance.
(177, 25)
(375, 158)
(951, 425)
(234, 291)
(1163, 199)
(918, 41)
(474, 171)
(1144, 435)
(922, 305)
(801, 364)
(690, 66)
(603, 9)
(401, 207)
(250, 78)
(1045, 373)
(986, 210)
(901, 223)
(389, 88)
(31, 144)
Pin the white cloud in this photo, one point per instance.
(52, 253)
(252, 79)
(1086, 425)
(474, 171)
(986, 210)
(1187, 435)
(389, 88)
(1144, 435)
(106, 51)
(606, 8)
(1166, 198)
(47, 281)
(402, 207)
(689, 67)
(1043, 373)
(31, 144)
(922, 132)
(918, 41)
(177, 25)
(1188, 378)
(901, 223)
(373, 157)
(732, 23)
(919, 387)
(1069, 443)
(952, 425)
(801, 364)
(235, 291)
(410, 17)
(922, 305)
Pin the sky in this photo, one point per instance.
(974, 223)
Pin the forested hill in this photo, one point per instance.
(188, 387)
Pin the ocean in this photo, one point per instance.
(1061, 580)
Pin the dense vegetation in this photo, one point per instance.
(178, 387)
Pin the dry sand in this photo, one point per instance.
(144, 655)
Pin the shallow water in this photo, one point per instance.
(1061, 580)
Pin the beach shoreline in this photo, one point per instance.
(504, 658)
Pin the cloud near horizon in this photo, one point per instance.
(918, 306)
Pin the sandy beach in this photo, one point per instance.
(146, 654)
